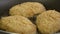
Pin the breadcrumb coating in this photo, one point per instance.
(18, 24)
(27, 9)
(48, 22)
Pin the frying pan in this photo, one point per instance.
(5, 5)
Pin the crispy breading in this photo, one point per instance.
(27, 9)
(48, 22)
(18, 24)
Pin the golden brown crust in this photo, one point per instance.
(27, 9)
(48, 22)
(18, 24)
